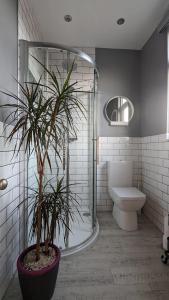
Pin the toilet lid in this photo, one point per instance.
(128, 193)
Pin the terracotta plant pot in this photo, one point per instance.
(38, 285)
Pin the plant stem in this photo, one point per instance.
(41, 165)
(39, 221)
(40, 170)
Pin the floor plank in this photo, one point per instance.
(118, 266)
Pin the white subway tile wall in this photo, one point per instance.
(11, 209)
(11, 216)
(155, 177)
(28, 27)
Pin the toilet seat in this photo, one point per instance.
(127, 193)
(128, 199)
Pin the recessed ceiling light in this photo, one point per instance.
(120, 21)
(68, 18)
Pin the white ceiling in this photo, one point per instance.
(94, 21)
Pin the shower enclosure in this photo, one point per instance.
(78, 155)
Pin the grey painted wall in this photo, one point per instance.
(119, 75)
(142, 77)
(154, 85)
(8, 48)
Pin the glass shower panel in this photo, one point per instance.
(81, 150)
(77, 164)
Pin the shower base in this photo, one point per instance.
(82, 235)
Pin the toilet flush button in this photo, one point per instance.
(3, 184)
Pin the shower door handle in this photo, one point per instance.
(97, 151)
(64, 157)
(3, 184)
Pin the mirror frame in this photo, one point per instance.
(118, 123)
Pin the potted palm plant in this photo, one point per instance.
(41, 116)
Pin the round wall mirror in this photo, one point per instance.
(119, 110)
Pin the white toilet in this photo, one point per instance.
(127, 199)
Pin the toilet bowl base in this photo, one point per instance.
(127, 220)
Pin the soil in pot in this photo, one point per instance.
(45, 260)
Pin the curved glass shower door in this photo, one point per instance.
(78, 156)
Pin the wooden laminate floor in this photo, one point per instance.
(118, 266)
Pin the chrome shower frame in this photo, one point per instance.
(22, 77)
